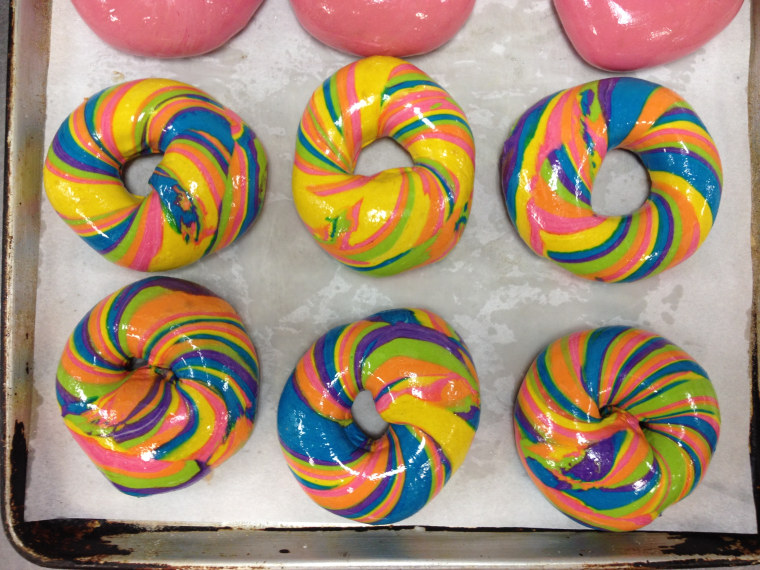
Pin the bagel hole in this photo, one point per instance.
(134, 363)
(383, 154)
(621, 186)
(138, 171)
(366, 415)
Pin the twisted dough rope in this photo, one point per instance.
(205, 193)
(424, 385)
(158, 384)
(614, 425)
(398, 218)
(555, 150)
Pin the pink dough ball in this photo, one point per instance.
(625, 35)
(383, 27)
(166, 28)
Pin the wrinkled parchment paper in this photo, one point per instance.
(505, 302)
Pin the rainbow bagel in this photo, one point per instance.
(398, 218)
(206, 191)
(613, 425)
(158, 384)
(555, 150)
(424, 384)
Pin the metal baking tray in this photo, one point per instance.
(78, 542)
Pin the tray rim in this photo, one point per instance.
(83, 543)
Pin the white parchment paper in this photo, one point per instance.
(505, 302)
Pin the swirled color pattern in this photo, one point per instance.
(614, 425)
(206, 191)
(158, 384)
(425, 387)
(555, 150)
(398, 218)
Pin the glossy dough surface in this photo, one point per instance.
(624, 35)
(399, 218)
(425, 387)
(204, 194)
(554, 153)
(166, 28)
(614, 425)
(383, 27)
(158, 384)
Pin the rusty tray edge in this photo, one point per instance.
(80, 543)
